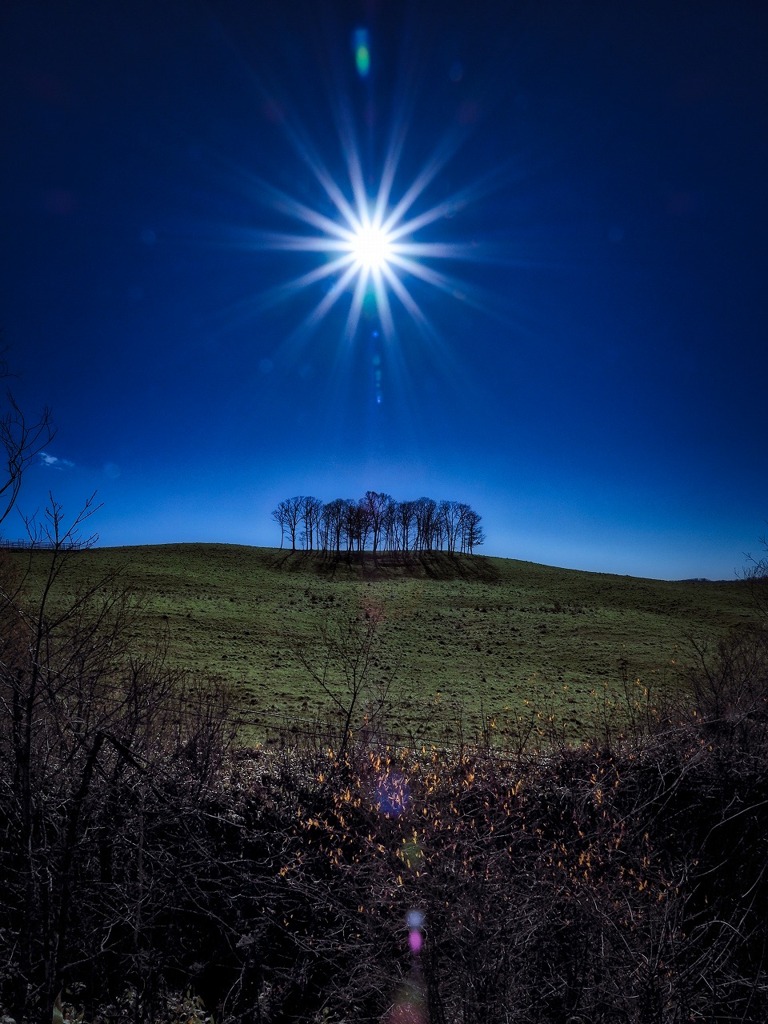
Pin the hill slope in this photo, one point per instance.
(466, 636)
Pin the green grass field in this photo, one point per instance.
(471, 638)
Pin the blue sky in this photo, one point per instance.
(579, 352)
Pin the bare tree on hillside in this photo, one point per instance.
(332, 525)
(311, 510)
(350, 517)
(472, 535)
(360, 524)
(347, 663)
(288, 515)
(280, 516)
(390, 525)
(406, 520)
(425, 513)
(375, 508)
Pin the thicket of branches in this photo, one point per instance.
(377, 522)
(101, 748)
(608, 883)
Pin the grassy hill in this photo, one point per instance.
(471, 638)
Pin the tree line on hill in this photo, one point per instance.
(377, 522)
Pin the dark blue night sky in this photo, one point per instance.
(573, 340)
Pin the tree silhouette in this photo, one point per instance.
(378, 522)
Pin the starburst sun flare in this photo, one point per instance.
(370, 245)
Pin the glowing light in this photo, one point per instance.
(392, 795)
(371, 247)
(415, 919)
(415, 922)
(410, 1002)
(362, 52)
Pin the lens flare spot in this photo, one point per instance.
(415, 919)
(415, 922)
(413, 856)
(392, 795)
(362, 51)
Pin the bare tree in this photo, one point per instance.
(390, 525)
(406, 519)
(757, 577)
(452, 514)
(472, 535)
(81, 714)
(425, 514)
(346, 663)
(350, 519)
(311, 510)
(375, 508)
(51, 677)
(360, 524)
(332, 521)
(20, 441)
(280, 515)
(288, 516)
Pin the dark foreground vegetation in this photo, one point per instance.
(153, 870)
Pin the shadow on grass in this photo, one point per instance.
(389, 565)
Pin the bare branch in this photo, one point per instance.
(20, 442)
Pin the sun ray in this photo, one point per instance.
(286, 289)
(355, 307)
(389, 169)
(420, 183)
(332, 297)
(383, 303)
(459, 200)
(425, 273)
(325, 179)
(406, 299)
(282, 202)
(354, 169)
(300, 243)
(435, 250)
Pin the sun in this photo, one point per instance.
(371, 247)
(376, 236)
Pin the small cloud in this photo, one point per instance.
(55, 461)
